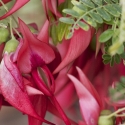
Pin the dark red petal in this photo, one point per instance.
(32, 46)
(40, 105)
(60, 110)
(79, 42)
(90, 108)
(14, 94)
(18, 4)
(52, 109)
(41, 85)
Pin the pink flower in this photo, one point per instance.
(89, 100)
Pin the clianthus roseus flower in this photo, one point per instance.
(33, 71)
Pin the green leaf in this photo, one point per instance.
(96, 17)
(120, 49)
(54, 34)
(90, 21)
(116, 1)
(71, 12)
(83, 25)
(67, 32)
(122, 55)
(117, 58)
(106, 61)
(122, 79)
(112, 10)
(115, 36)
(79, 5)
(111, 22)
(106, 35)
(88, 3)
(118, 8)
(98, 2)
(103, 14)
(106, 57)
(61, 29)
(107, 1)
(66, 20)
(82, 7)
(70, 34)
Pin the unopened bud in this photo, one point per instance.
(104, 120)
(11, 45)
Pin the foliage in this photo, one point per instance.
(98, 14)
(118, 93)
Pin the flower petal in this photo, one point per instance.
(85, 81)
(12, 68)
(44, 33)
(14, 95)
(40, 105)
(32, 47)
(18, 4)
(33, 91)
(89, 106)
(79, 42)
(52, 109)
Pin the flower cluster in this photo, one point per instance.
(37, 76)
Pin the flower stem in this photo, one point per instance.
(11, 29)
(115, 113)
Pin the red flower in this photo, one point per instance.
(18, 4)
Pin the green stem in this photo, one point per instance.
(11, 29)
(4, 5)
(115, 113)
(81, 17)
(17, 32)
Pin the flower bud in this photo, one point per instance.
(4, 35)
(104, 120)
(11, 45)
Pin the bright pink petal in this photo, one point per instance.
(85, 81)
(14, 94)
(90, 108)
(79, 42)
(18, 4)
(33, 91)
(32, 48)
(44, 33)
